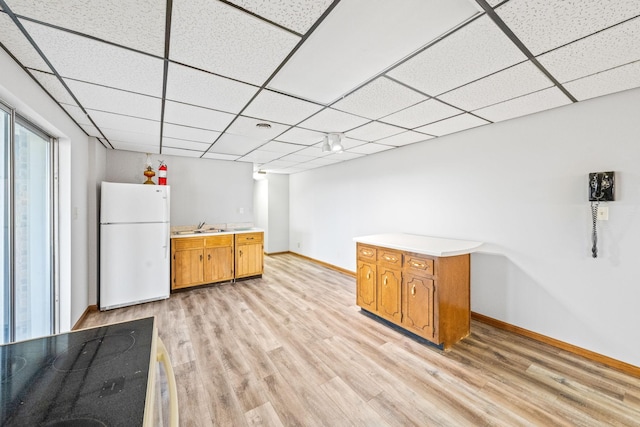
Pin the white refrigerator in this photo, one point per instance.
(134, 244)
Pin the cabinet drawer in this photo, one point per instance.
(188, 243)
(249, 238)
(418, 264)
(217, 241)
(366, 253)
(390, 257)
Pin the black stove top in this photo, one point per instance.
(94, 377)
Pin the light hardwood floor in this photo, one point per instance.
(292, 349)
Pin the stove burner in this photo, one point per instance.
(77, 422)
(13, 365)
(97, 351)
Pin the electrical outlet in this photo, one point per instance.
(298, 245)
(240, 210)
(603, 213)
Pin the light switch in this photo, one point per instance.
(240, 210)
(603, 213)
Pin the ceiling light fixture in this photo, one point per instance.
(325, 145)
(333, 142)
(263, 125)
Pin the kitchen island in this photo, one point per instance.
(210, 255)
(418, 283)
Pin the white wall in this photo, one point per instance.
(278, 213)
(521, 187)
(261, 208)
(201, 189)
(76, 195)
(271, 211)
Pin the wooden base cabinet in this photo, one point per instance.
(428, 296)
(201, 260)
(249, 254)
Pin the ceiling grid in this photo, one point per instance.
(194, 77)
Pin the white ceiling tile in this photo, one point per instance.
(280, 147)
(140, 148)
(91, 130)
(189, 115)
(85, 59)
(296, 158)
(474, 51)
(138, 24)
(260, 156)
(408, 137)
(115, 101)
(185, 145)
(494, 3)
(322, 161)
(77, 114)
(51, 83)
(606, 49)
(301, 136)
(315, 152)
(374, 131)
(237, 145)
(297, 15)
(543, 25)
(379, 98)
(510, 83)
(339, 55)
(528, 104)
(246, 126)
(127, 129)
(216, 37)
(195, 87)
(130, 137)
(422, 114)
(19, 46)
(280, 108)
(348, 143)
(606, 82)
(189, 133)
(217, 156)
(346, 156)
(180, 152)
(370, 148)
(453, 124)
(276, 164)
(330, 120)
(118, 121)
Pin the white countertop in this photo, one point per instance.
(219, 233)
(434, 246)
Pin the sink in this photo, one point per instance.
(200, 231)
(207, 230)
(238, 229)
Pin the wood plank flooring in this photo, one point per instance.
(292, 349)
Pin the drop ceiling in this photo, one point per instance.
(193, 78)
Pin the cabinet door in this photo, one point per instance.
(218, 264)
(418, 314)
(389, 292)
(366, 286)
(249, 260)
(187, 269)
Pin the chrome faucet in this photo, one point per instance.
(200, 225)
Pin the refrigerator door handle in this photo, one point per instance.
(166, 240)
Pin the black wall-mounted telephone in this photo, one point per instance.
(601, 189)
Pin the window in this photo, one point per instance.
(26, 168)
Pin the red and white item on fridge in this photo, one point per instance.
(162, 173)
